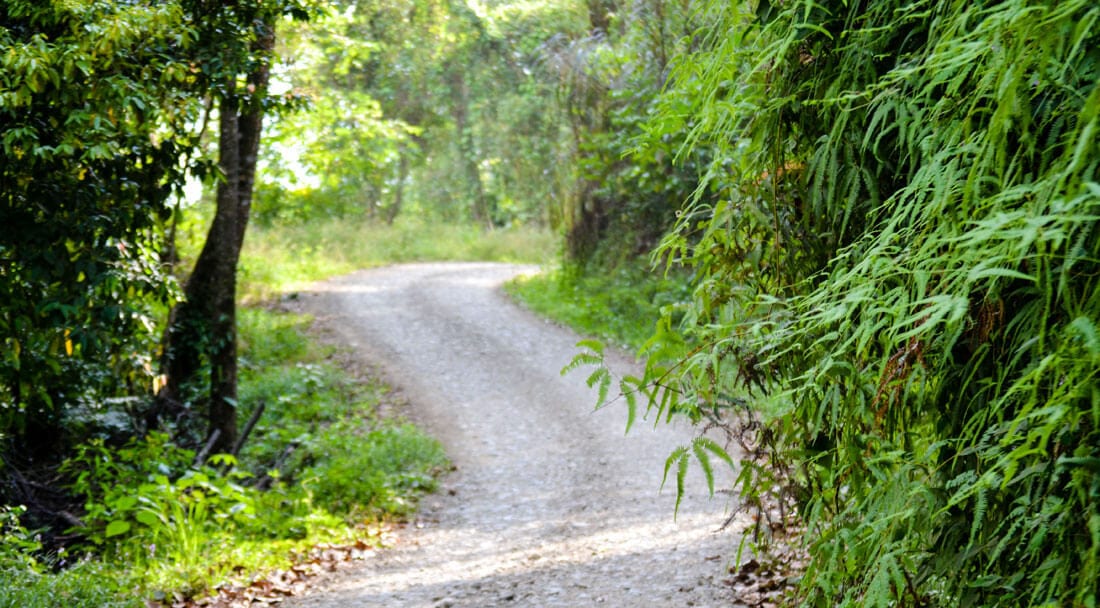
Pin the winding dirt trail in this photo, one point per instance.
(551, 504)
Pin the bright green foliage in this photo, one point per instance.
(621, 307)
(626, 189)
(898, 241)
(445, 109)
(348, 152)
(147, 506)
(149, 490)
(26, 582)
(93, 117)
(339, 157)
(380, 472)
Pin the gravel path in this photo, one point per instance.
(551, 504)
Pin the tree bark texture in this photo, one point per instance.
(203, 328)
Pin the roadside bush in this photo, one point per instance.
(28, 581)
(621, 306)
(898, 244)
(148, 506)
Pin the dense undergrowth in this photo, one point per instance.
(896, 248)
(319, 467)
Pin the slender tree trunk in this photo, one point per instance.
(203, 328)
(586, 217)
(460, 98)
(399, 192)
(599, 15)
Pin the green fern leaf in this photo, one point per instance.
(1087, 330)
(580, 360)
(679, 457)
(703, 456)
(628, 386)
(714, 448)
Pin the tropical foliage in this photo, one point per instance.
(896, 241)
(442, 109)
(876, 223)
(95, 109)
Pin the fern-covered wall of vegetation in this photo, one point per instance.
(898, 242)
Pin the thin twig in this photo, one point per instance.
(204, 453)
(252, 420)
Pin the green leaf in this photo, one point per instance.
(629, 386)
(595, 346)
(148, 518)
(124, 503)
(679, 457)
(117, 527)
(1085, 328)
(704, 463)
(714, 448)
(582, 359)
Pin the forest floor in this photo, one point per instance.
(550, 503)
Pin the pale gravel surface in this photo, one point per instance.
(550, 505)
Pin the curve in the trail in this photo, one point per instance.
(551, 504)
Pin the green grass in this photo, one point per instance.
(354, 463)
(85, 585)
(283, 258)
(621, 307)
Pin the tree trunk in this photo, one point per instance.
(599, 15)
(203, 328)
(460, 98)
(399, 191)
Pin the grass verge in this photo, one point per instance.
(621, 306)
(285, 258)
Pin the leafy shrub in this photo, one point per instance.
(378, 472)
(27, 582)
(147, 505)
(82, 201)
(899, 243)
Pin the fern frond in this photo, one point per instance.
(703, 457)
(679, 457)
(630, 386)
